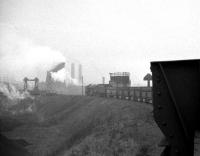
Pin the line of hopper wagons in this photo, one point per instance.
(119, 87)
(140, 94)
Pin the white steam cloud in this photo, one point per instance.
(20, 57)
(59, 75)
(63, 75)
(12, 93)
(14, 100)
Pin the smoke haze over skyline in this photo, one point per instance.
(104, 36)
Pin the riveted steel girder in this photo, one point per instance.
(176, 101)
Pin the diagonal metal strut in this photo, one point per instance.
(175, 103)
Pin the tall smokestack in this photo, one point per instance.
(72, 70)
(103, 80)
(80, 74)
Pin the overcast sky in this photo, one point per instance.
(106, 35)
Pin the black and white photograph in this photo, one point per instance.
(99, 78)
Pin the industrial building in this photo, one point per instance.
(72, 83)
(120, 79)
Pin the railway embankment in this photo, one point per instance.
(76, 125)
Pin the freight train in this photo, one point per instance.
(119, 87)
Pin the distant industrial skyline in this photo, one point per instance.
(104, 36)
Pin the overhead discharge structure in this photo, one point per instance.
(50, 82)
(59, 80)
(58, 67)
(35, 80)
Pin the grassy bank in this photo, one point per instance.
(75, 125)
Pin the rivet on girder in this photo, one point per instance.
(171, 136)
(176, 150)
(164, 123)
(158, 93)
(158, 79)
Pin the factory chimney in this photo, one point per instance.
(80, 74)
(72, 70)
(103, 80)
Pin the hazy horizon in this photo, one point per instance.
(104, 36)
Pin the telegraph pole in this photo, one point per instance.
(82, 84)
